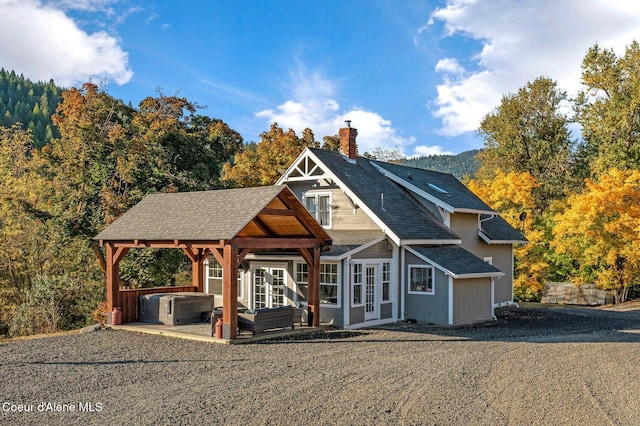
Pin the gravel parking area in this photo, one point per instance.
(535, 365)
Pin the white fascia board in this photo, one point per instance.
(475, 211)
(362, 247)
(383, 226)
(482, 275)
(435, 200)
(488, 240)
(431, 242)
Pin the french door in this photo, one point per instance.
(370, 296)
(268, 286)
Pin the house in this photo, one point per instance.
(408, 244)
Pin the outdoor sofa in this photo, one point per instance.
(259, 320)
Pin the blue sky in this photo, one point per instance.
(417, 75)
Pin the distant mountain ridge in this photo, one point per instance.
(461, 165)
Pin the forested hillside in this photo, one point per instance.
(461, 165)
(55, 199)
(28, 103)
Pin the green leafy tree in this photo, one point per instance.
(608, 109)
(528, 133)
(331, 143)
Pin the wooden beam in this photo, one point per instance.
(164, 243)
(218, 254)
(230, 292)
(100, 256)
(306, 255)
(197, 275)
(314, 288)
(312, 257)
(263, 226)
(119, 254)
(276, 212)
(242, 255)
(197, 257)
(113, 279)
(265, 243)
(190, 254)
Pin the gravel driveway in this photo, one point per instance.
(535, 365)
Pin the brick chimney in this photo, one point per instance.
(348, 146)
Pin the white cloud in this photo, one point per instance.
(314, 105)
(424, 150)
(521, 40)
(42, 42)
(450, 66)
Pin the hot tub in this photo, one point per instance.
(175, 308)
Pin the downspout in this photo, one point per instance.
(346, 280)
(401, 286)
(493, 315)
(394, 289)
(450, 300)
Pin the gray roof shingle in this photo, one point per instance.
(497, 229)
(457, 195)
(202, 215)
(404, 216)
(457, 260)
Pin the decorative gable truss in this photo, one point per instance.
(304, 168)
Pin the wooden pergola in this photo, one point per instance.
(227, 224)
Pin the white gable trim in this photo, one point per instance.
(435, 200)
(345, 188)
(304, 169)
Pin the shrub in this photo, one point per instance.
(54, 303)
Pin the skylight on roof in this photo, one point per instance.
(437, 188)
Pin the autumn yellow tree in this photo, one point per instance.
(600, 229)
(512, 195)
(274, 153)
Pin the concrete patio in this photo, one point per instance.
(202, 332)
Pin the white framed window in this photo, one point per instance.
(329, 291)
(329, 284)
(421, 280)
(386, 281)
(215, 269)
(356, 285)
(302, 281)
(319, 205)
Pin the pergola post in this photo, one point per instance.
(114, 256)
(315, 305)
(312, 257)
(197, 257)
(230, 292)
